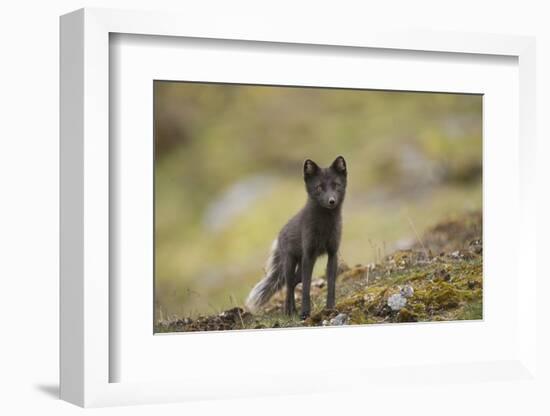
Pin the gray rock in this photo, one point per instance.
(340, 319)
(397, 301)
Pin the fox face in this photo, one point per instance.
(326, 186)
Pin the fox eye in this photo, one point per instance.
(319, 188)
(336, 184)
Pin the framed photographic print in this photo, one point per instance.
(238, 204)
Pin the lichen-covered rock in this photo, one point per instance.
(396, 301)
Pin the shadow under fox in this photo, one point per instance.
(315, 230)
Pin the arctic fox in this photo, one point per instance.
(312, 232)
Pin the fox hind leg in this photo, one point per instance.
(290, 277)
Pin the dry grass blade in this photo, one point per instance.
(417, 235)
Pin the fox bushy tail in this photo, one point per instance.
(271, 283)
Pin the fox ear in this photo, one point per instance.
(339, 165)
(310, 168)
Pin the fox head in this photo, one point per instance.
(326, 186)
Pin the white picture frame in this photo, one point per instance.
(86, 353)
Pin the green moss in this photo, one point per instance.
(471, 311)
(406, 315)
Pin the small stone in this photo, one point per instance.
(407, 291)
(340, 319)
(325, 323)
(396, 301)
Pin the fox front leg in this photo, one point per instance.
(308, 262)
(332, 267)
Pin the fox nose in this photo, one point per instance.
(332, 201)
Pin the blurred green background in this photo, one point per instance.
(228, 176)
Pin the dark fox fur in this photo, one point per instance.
(312, 232)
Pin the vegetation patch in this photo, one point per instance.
(438, 279)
